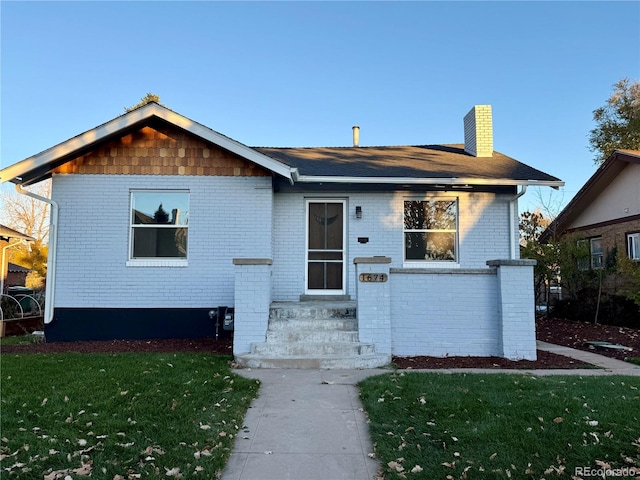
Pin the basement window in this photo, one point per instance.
(159, 226)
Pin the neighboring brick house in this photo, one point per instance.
(605, 214)
(160, 220)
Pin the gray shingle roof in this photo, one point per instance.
(419, 161)
(15, 268)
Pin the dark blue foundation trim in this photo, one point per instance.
(82, 324)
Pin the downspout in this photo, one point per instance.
(512, 226)
(53, 247)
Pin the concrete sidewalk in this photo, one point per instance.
(611, 366)
(305, 425)
(309, 424)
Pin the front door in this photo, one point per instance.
(325, 247)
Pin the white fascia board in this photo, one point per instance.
(428, 181)
(65, 148)
(101, 132)
(225, 142)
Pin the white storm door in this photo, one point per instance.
(325, 247)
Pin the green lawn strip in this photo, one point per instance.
(474, 426)
(634, 360)
(119, 415)
(20, 340)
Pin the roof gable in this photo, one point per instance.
(160, 148)
(40, 166)
(591, 197)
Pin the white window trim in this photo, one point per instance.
(592, 256)
(433, 263)
(633, 238)
(160, 261)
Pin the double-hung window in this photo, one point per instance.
(633, 245)
(595, 245)
(159, 225)
(431, 230)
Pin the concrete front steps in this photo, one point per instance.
(312, 335)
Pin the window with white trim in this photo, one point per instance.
(431, 230)
(595, 248)
(633, 245)
(159, 224)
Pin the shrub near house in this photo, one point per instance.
(599, 231)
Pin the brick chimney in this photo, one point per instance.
(478, 131)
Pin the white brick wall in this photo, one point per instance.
(288, 247)
(483, 233)
(442, 314)
(239, 217)
(516, 303)
(229, 217)
(253, 298)
(374, 306)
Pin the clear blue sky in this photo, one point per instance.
(302, 73)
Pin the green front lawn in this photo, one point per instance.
(438, 426)
(119, 415)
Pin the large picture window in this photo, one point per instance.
(430, 230)
(159, 224)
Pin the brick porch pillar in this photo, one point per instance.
(252, 302)
(516, 308)
(373, 302)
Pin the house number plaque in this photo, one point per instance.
(373, 277)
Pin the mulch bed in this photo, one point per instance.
(211, 345)
(546, 360)
(559, 332)
(576, 334)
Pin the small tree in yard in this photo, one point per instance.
(617, 122)
(630, 271)
(563, 262)
(532, 224)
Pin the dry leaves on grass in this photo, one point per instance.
(83, 471)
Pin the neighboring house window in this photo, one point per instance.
(430, 230)
(159, 224)
(595, 247)
(633, 245)
(594, 257)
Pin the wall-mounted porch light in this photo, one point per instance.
(358, 212)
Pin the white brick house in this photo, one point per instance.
(157, 221)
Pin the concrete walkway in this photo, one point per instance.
(305, 425)
(611, 366)
(309, 424)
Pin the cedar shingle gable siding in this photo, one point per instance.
(161, 151)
